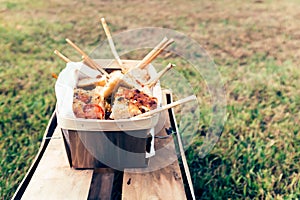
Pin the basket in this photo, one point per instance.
(118, 144)
(114, 143)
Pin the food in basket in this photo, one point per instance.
(88, 104)
(131, 102)
(130, 89)
(129, 97)
(91, 82)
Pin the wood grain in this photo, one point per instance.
(44, 144)
(102, 183)
(162, 179)
(95, 149)
(54, 179)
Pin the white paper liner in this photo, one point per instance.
(152, 150)
(65, 84)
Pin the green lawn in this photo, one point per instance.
(255, 45)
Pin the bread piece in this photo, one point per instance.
(141, 75)
(91, 82)
(113, 83)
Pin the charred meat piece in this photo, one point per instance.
(93, 111)
(131, 102)
(78, 108)
(88, 104)
(82, 95)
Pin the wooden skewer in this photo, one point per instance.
(158, 52)
(153, 82)
(84, 55)
(88, 63)
(151, 53)
(166, 107)
(67, 60)
(111, 43)
(183, 157)
(61, 56)
(64, 58)
(154, 53)
(87, 59)
(75, 46)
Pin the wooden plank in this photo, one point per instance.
(180, 146)
(48, 133)
(54, 179)
(163, 183)
(103, 144)
(101, 186)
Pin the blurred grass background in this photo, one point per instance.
(255, 45)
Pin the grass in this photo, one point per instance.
(260, 137)
(254, 44)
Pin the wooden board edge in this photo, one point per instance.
(188, 185)
(171, 118)
(48, 133)
(101, 184)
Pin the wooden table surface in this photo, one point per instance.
(52, 178)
